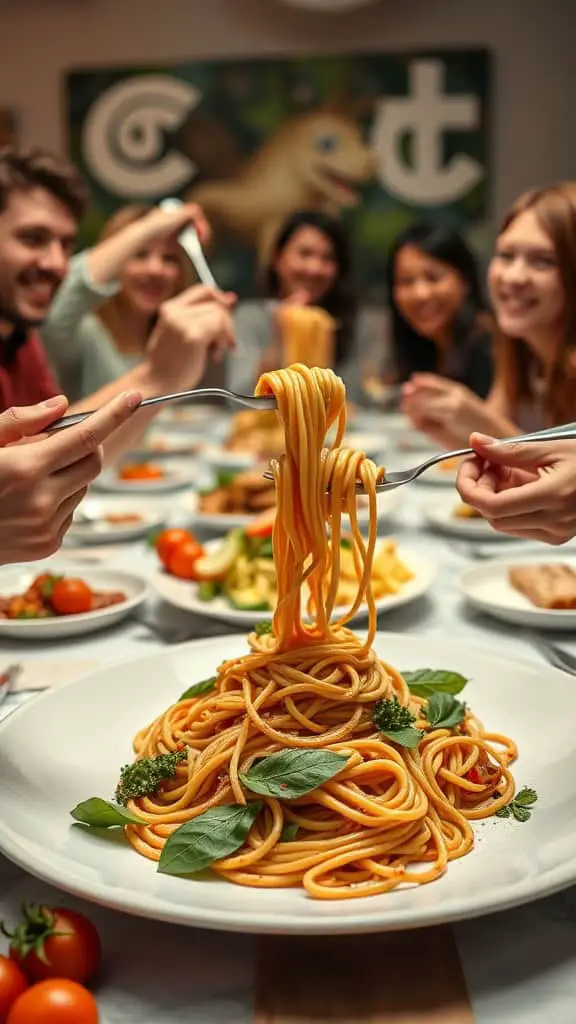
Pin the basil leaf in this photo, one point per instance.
(425, 681)
(404, 737)
(98, 813)
(199, 688)
(526, 797)
(292, 773)
(290, 832)
(444, 712)
(264, 627)
(209, 837)
(346, 544)
(504, 812)
(521, 813)
(225, 477)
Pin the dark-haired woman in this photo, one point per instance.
(310, 265)
(438, 318)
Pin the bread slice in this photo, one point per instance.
(546, 586)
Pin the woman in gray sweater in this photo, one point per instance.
(104, 311)
(311, 265)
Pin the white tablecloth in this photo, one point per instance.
(520, 965)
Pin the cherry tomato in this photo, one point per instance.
(13, 983)
(71, 597)
(184, 558)
(141, 471)
(57, 943)
(167, 541)
(57, 1001)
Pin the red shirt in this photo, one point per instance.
(26, 377)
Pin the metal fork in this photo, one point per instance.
(554, 655)
(406, 476)
(190, 242)
(260, 402)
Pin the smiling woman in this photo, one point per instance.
(532, 283)
(310, 265)
(101, 319)
(439, 321)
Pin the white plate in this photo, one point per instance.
(413, 440)
(436, 475)
(102, 532)
(387, 503)
(440, 516)
(175, 478)
(15, 580)
(160, 444)
(184, 593)
(219, 458)
(203, 418)
(77, 736)
(486, 586)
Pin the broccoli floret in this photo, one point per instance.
(390, 714)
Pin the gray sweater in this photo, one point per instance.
(81, 349)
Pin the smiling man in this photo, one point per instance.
(42, 200)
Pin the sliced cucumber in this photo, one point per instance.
(208, 590)
(217, 564)
(248, 600)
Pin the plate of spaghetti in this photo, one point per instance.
(308, 779)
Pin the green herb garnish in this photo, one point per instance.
(264, 627)
(199, 688)
(521, 806)
(143, 777)
(423, 682)
(98, 813)
(211, 836)
(396, 722)
(345, 543)
(443, 711)
(290, 832)
(292, 773)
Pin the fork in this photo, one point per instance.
(554, 655)
(260, 402)
(406, 476)
(190, 242)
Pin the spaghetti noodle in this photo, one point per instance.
(394, 814)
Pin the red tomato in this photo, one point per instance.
(141, 471)
(167, 541)
(263, 524)
(71, 597)
(184, 558)
(57, 1001)
(56, 943)
(13, 983)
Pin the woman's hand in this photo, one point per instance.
(444, 410)
(164, 223)
(525, 490)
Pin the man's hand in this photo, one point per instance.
(189, 327)
(42, 481)
(525, 490)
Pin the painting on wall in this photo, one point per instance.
(377, 139)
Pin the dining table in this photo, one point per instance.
(514, 967)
